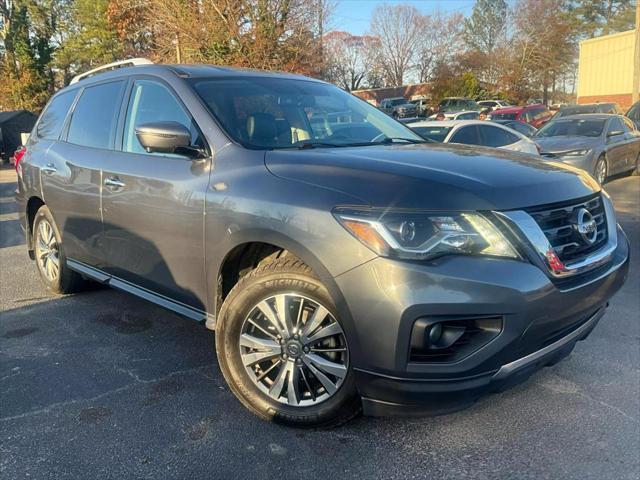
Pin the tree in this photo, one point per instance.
(24, 59)
(349, 59)
(438, 42)
(483, 32)
(91, 39)
(543, 45)
(602, 17)
(397, 29)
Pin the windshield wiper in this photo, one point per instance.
(305, 145)
(389, 140)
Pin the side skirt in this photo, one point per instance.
(161, 300)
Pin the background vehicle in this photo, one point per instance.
(398, 107)
(535, 115)
(423, 106)
(589, 108)
(493, 104)
(634, 114)
(601, 144)
(521, 127)
(464, 115)
(470, 132)
(451, 105)
(209, 191)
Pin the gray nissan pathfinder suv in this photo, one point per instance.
(345, 265)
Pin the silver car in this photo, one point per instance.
(601, 144)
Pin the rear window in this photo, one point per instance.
(94, 118)
(497, 137)
(437, 134)
(52, 120)
(503, 116)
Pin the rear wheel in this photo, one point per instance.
(49, 255)
(283, 350)
(601, 169)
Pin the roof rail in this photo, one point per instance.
(111, 66)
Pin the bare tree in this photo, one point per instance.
(439, 40)
(398, 30)
(346, 63)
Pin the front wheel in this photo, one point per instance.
(282, 349)
(601, 170)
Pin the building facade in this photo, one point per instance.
(607, 69)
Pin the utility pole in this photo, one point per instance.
(635, 92)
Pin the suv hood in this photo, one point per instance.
(565, 144)
(434, 176)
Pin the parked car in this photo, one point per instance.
(589, 108)
(474, 132)
(493, 104)
(520, 127)
(601, 144)
(423, 107)
(535, 115)
(634, 114)
(354, 267)
(398, 107)
(470, 115)
(450, 105)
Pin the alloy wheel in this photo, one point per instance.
(294, 350)
(47, 251)
(601, 171)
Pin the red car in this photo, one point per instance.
(534, 115)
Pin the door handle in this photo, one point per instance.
(49, 169)
(114, 184)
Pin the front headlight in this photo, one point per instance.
(420, 236)
(575, 153)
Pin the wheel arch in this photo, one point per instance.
(263, 244)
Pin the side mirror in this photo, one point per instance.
(163, 137)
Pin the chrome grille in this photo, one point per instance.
(555, 222)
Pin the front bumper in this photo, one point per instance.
(542, 322)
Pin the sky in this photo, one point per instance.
(354, 16)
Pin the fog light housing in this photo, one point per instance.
(450, 339)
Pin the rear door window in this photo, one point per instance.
(496, 137)
(94, 118)
(52, 120)
(467, 135)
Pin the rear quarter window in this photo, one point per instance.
(52, 120)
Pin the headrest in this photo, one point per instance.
(261, 127)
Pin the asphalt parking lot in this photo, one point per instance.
(103, 385)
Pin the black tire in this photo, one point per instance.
(596, 175)
(66, 280)
(285, 274)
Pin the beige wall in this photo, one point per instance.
(606, 66)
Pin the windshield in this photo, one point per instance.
(436, 134)
(452, 105)
(268, 113)
(504, 116)
(565, 112)
(572, 128)
(397, 101)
